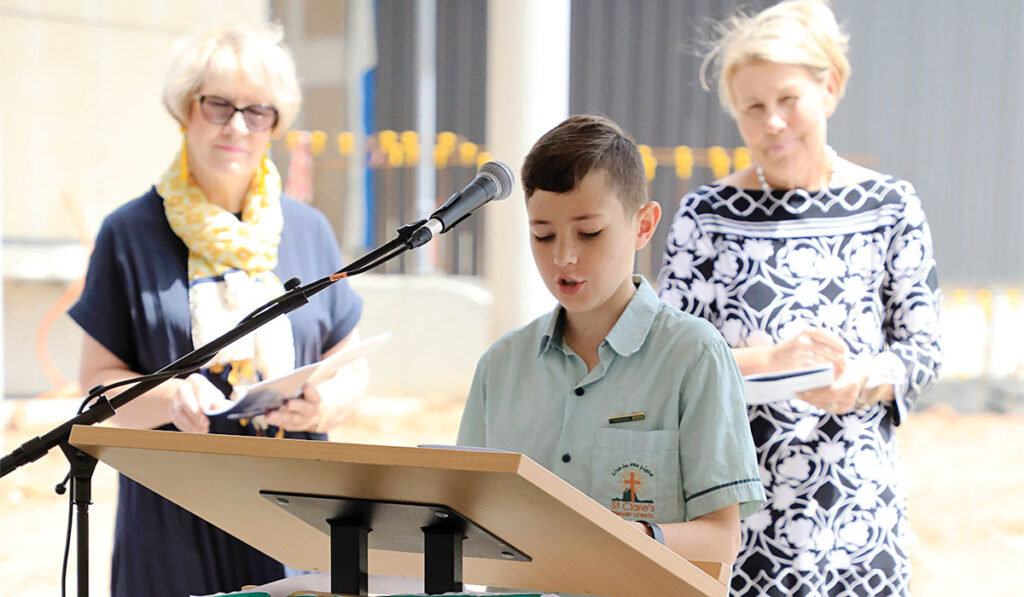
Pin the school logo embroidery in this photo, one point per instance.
(632, 477)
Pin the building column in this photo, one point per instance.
(527, 94)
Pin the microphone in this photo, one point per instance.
(493, 182)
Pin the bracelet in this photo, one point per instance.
(655, 531)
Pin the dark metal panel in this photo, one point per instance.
(462, 68)
(394, 97)
(933, 99)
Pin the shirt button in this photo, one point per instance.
(579, 391)
(566, 457)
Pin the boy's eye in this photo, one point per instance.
(789, 98)
(543, 238)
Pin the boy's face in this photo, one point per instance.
(584, 242)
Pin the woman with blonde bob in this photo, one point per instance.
(806, 259)
(186, 261)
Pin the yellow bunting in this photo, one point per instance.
(387, 138)
(411, 144)
(317, 142)
(447, 139)
(683, 156)
(482, 158)
(346, 144)
(441, 155)
(984, 300)
(412, 154)
(650, 162)
(961, 297)
(740, 158)
(718, 161)
(467, 153)
(396, 155)
(409, 138)
(1013, 295)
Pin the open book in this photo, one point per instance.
(271, 394)
(783, 385)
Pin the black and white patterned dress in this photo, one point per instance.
(856, 260)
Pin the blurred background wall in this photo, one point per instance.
(387, 131)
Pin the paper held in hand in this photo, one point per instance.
(271, 394)
(783, 385)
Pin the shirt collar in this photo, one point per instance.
(628, 333)
(554, 332)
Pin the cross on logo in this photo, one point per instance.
(633, 484)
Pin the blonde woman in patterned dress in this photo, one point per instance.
(175, 268)
(806, 258)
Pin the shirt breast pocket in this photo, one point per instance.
(636, 473)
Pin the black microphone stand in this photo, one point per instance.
(83, 465)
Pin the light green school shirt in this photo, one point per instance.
(690, 454)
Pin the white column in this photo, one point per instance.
(527, 94)
(426, 114)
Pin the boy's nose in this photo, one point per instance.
(565, 253)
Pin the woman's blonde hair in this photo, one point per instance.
(249, 54)
(799, 32)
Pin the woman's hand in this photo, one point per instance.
(813, 346)
(840, 397)
(192, 396)
(299, 414)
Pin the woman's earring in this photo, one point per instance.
(183, 177)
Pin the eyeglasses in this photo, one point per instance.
(217, 110)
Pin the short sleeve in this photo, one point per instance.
(716, 448)
(472, 428)
(103, 310)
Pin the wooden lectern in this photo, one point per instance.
(516, 524)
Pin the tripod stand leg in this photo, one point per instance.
(82, 467)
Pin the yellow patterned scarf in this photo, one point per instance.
(230, 270)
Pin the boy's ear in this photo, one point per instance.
(647, 218)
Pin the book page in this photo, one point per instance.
(763, 388)
(271, 394)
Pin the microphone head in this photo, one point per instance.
(502, 176)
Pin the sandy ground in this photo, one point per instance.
(965, 486)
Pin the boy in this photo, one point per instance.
(637, 404)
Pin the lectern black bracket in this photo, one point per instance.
(355, 525)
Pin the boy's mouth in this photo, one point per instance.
(569, 285)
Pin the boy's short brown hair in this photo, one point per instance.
(563, 157)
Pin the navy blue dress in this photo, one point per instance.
(135, 303)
